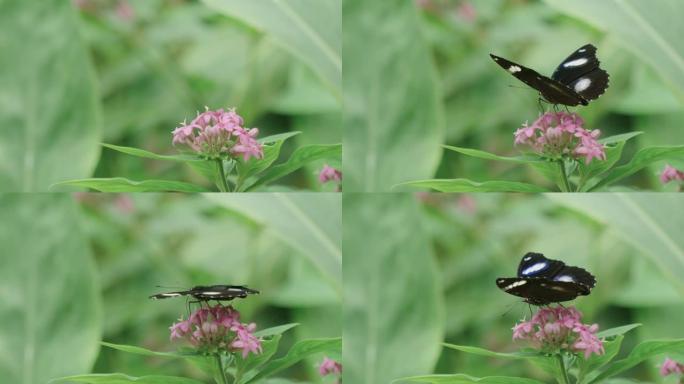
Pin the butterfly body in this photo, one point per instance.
(210, 292)
(576, 81)
(542, 281)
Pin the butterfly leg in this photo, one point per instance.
(541, 107)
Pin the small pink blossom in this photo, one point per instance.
(671, 173)
(670, 367)
(217, 328)
(561, 134)
(124, 10)
(560, 328)
(329, 173)
(329, 367)
(220, 133)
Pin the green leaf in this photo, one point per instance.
(49, 108)
(300, 157)
(268, 349)
(460, 378)
(146, 352)
(617, 330)
(271, 153)
(641, 159)
(308, 222)
(641, 352)
(137, 152)
(393, 117)
(120, 378)
(465, 185)
(547, 363)
(46, 264)
(597, 167)
(611, 348)
(389, 335)
(278, 137)
(649, 30)
(645, 222)
(297, 353)
(120, 184)
(621, 138)
(310, 30)
(490, 156)
(278, 330)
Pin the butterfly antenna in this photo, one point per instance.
(169, 287)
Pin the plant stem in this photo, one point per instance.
(564, 374)
(564, 177)
(222, 176)
(222, 373)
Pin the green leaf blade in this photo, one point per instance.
(120, 184)
(465, 185)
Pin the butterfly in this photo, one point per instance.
(542, 281)
(211, 292)
(575, 81)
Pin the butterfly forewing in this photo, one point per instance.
(551, 90)
(536, 265)
(211, 292)
(539, 291)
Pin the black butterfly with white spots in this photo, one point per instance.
(211, 292)
(575, 81)
(543, 281)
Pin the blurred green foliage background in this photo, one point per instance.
(418, 75)
(78, 269)
(127, 72)
(421, 269)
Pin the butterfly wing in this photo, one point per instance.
(221, 292)
(577, 275)
(580, 72)
(551, 90)
(536, 265)
(167, 295)
(540, 291)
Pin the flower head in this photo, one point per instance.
(217, 328)
(561, 134)
(216, 134)
(671, 173)
(330, 367)
(670, 367)
(560, 328)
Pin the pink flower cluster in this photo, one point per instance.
(671, 173)
(218, 133)
(217, 328)
(330, 367)
(560, 328)
(561, 134)
(670, 367)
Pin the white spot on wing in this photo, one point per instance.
(527, 258)
(514, 69)
(210, 293)
(582, 50)
(565, 278)
(582, 84)
(576, 62)
(534, 268)
(516, 284)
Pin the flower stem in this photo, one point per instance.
(566, 185)
(222, 372)
(222, 176)
(564, 374)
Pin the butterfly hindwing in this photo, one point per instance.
(579, 63)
